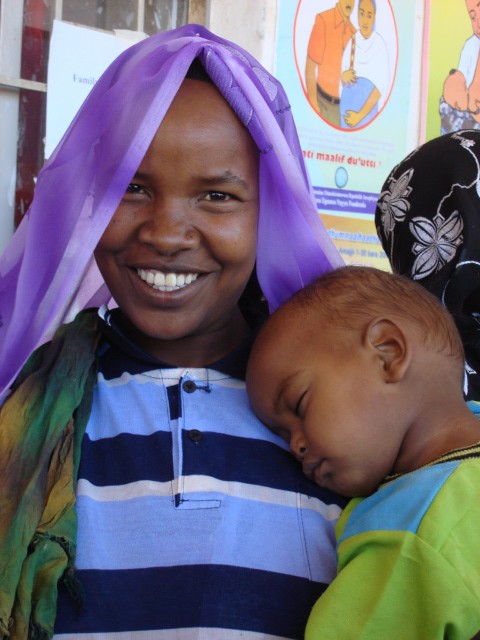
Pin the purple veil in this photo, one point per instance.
(47, 272)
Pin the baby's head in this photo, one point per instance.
(339, 372)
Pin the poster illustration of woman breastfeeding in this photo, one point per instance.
(452, 69)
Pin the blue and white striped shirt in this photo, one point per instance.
(194, 519)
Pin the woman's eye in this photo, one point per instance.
(134, 188)
(217, 196)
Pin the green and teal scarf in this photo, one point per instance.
(42, 424)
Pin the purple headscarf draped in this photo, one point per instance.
(48, 272)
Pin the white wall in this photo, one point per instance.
(249, 23)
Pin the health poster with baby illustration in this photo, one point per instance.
(351, 69)
(451, 79)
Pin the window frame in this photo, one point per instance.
(12, 85)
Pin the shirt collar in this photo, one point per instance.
(233, 364)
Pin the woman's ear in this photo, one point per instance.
(389, 344)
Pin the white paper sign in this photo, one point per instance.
(78, 57)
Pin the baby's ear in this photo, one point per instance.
(389, 344)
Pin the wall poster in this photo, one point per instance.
(351, 70)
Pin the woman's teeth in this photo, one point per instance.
(166, 281)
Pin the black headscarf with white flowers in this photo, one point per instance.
(428, 220)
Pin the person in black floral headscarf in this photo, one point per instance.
(428, 221)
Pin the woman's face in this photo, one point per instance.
(181, 246)
(474, 13)
(366, 17)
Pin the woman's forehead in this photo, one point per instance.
(196, 96)
(200, 117)
(201, 102)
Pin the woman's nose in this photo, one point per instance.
(169, 228)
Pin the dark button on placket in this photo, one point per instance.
(189, 386)
(195, 435)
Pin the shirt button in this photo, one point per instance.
(189, 386)
(195, 435)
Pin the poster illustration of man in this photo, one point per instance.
(329, 36)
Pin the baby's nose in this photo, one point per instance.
(298, 446)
